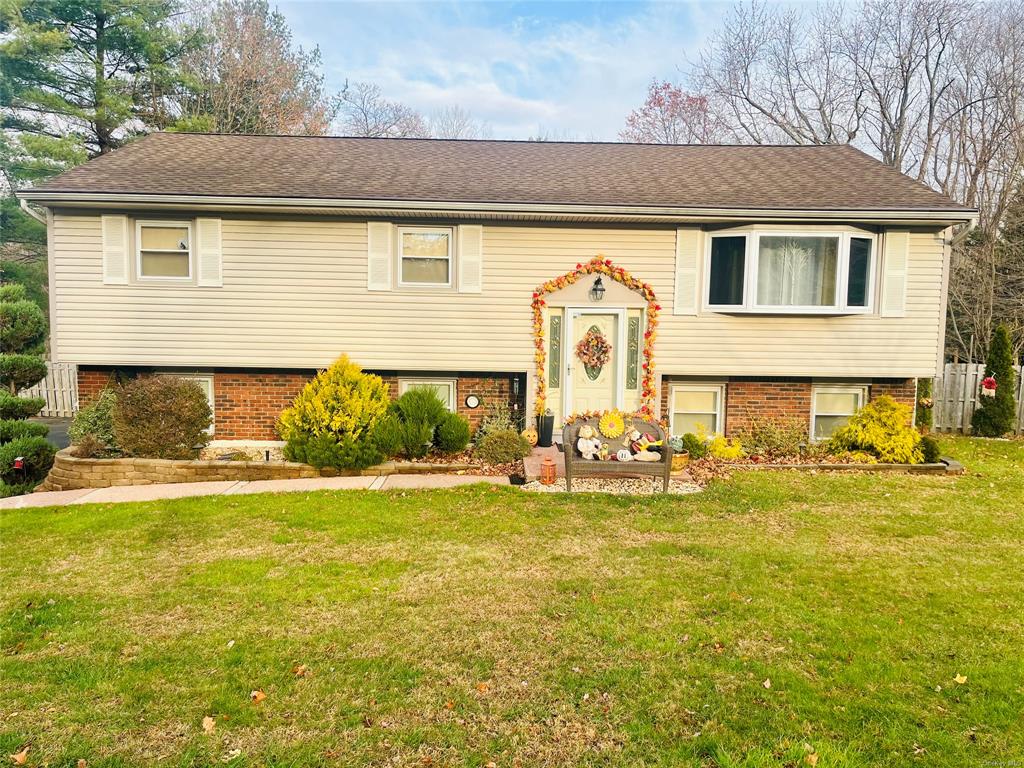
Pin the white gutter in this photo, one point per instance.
(448, 208)
(23, 204)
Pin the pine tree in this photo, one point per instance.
(994, 416)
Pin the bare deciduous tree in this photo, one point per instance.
(456, 123)
(934, 88)
(248, 78)
(365, 112)
(670, 115)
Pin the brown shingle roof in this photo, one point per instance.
(690, 176)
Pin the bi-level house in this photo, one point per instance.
(734, 283)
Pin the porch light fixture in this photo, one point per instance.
(597, 291)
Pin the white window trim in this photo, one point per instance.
(405, 382)
(750, 265)
(139, 224)
(861, 390)
(450, 231)
(718, 387)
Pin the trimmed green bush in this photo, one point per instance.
(12, 407)
(452, 434)
(37, 455)
(161, 417)
(882, 429)
(20, 371)
(387, 436)
(502, 446)
(416, 437)
(930, 451)
(96, 419)
(696, 447)
(12, 292)
(423, 405)
(11, 429)
(328, 451)
(22, 326)
(994, 416)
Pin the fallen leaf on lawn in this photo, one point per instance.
(209, 724)
(960, 679)
(257, 696)
(767, 682)
(231, 643)
(300, 670)
(449, 705)
(20, 758)
(482, 687)
(232, 755)
(811, 759)
(82, 763)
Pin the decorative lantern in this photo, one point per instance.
(597, 291)
(547, 471)
(988, 386)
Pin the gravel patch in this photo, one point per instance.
(631, 486)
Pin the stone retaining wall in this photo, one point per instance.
(72, 473)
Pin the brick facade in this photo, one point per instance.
(91, 382)
(781, 399)
(901, 390)
(247, 404)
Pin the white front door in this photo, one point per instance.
(593, 388)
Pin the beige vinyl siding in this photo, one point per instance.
(295, 294)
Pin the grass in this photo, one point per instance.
(778, 619)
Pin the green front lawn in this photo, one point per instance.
(777, 619)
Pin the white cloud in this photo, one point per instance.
(576, 72)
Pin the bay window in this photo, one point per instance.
(773, 272)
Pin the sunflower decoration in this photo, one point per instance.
(612, 425)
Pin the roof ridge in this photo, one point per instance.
(530, 142)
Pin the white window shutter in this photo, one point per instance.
(894, 272)
(378, 246)
(208, 253)
(471, 258)
(688, 242)
(115, 249)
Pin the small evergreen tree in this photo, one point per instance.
(25, 457)
(994, 416)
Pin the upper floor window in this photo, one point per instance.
(781, 272)
(163, 250)
(425, 256)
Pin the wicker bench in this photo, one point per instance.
(577, 466)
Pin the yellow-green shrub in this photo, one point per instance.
(882, 429)
(726, 449)
(341, 401)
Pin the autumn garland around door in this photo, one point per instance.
(598, 265)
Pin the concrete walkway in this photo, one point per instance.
(183, 490)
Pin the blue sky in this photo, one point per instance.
(569, 69)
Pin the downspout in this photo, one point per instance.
(947, 264)
(34, 214)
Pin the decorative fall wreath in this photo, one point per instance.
(593, 349)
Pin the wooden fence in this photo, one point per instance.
(59, 389)
(956, 395)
